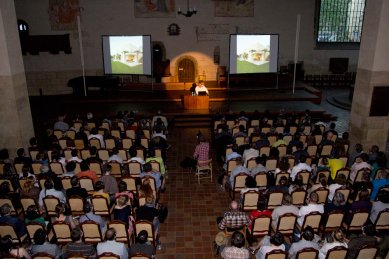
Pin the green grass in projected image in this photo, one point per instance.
(120, 68)
(247, 67)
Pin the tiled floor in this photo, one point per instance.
(193, 208)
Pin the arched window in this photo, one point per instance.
(23, 27)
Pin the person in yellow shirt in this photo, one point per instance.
(99, 191)
(334, 164)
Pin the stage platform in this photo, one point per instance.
(45, 109)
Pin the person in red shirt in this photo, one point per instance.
(85, 171)
(261, 210)
(201, 152)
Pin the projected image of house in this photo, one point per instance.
(253, 53)
(126, 55)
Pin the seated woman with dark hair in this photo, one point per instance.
(7, 249)
(61, 216)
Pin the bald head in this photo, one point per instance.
(234, 205)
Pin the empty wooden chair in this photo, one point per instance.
(367, 251)
(50, 202)
(76, 205)
(275, 199)
(382, 221)
(307, 253)
(204, 170)
(260, 227)
(91, 232)
(250, 200)
(359, 218)
(286, 224)
(239, 184)
(62, 232)
(121, 231)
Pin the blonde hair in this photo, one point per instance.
(28, 185)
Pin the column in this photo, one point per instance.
(15, 112)
(373, 71)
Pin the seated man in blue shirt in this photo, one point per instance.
(6, 217)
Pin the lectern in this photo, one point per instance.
(196, 102)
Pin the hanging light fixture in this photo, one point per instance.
(189, 11)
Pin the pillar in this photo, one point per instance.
(15, 112)
(373, 71)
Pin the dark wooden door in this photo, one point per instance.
(186, 71)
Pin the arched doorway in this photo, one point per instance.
(186, 71)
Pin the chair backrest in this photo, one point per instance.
(145, 225)
(265, 150)
(131, 183)
(134, 168)
(7, 229)
(58, 133)
(79, 144)
(305, 176)
(282, 150)
(298, 197)
(281, 174)
(42, 255)
(140, 153)
(32, 227)
(286, 223)
(312, 150)
(50, 202)
(312, 219)
(145, 142)
(251, 163)
(275, 199)
(250, 200)
(108, 255)
(87, 184)
(36, 167)
(345, 171)
(95, 142)
(140, 256)
(109, 143)
(116, 170)
(96, 167)
(272, 139)
(239, 140)
(116, 133)
(276, 254)
(85, 153)
(76, 256)
(338, 252)
(231, 164)
(130, 133)
(382, 221)
(103, 154)
(271, 164)
(359, 218)
(100, 206)
(322, 193)
(91, 230)
(126, 143)
(360, 174)
(18, 167)
(57, 168)
(156, 166)
(344, 159)
(76, 205)
(318, 139)
(326, 150)
(260, 226)
(239, 182)
(123, 154)
(326, 173)
(66, 182)
(307, 253)
(62, 232)
(261, 179)
(367, 252)
(121, 231)
(334, 221)
(26, 202)
(71, 134)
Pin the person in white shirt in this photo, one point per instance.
(275, 242)
(300, 167)
(110, 245)
(360, 163)
(237, 170)
(340, 181)
(94, 133)
(250, 153)
(115, 156)
(75, 157)
(201, 88)
(134, 157)
(159, 115)
(338, 238)
(310, 207)
(49, 190)
(286, 207)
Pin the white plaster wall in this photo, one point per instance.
(116, 17)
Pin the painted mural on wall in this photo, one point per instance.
(63, 14)
(154, 8)
(234, 8)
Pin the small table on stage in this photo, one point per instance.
(196, 102)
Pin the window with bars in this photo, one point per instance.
(340, 21)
